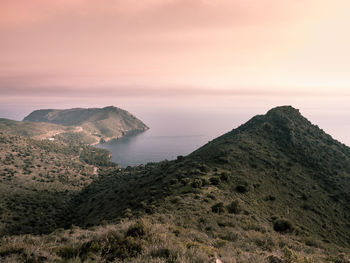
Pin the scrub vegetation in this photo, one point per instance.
(274, 190)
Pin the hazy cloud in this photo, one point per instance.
(171, 43)
(146, 13)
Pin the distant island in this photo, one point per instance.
(89, 126)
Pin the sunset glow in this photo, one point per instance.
(280, 44)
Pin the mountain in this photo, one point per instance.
(275, 190)
(279, 172)
(309, 171)
(98, 123)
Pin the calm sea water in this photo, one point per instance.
(149, 147)
(169, 135)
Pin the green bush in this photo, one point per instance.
(283, 226)
(242, 188)
(197, 183)
(215, 180)
(122, 248)
(218, 208)
(234, 207)
(128, 212)
(205, 182)
(224, 176)
(137, 230)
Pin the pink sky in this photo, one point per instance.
(290, 44)
(167, 53)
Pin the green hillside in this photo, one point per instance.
(279, 166)
(274, 190)
(38, 179)
(33, 130)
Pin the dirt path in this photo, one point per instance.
(48, 134)
(78, 129)
(53, 133)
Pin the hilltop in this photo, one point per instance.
(275, 190)
(93, 123)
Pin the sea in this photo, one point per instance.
(170, 135)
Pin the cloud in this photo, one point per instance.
(34, 86)
(145, 13)
(85, 43)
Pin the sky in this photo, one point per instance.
(200, 55)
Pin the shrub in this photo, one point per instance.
(197, 183)
(283, 225)
(270, 198)
(230, 236)
(185, 181)
(211, 196)
(215, 180)
(175, 200)
(137, 230)
(312, 242)
(219, 243)
(242, 188)
(274, 259)
(204, 168)
(122, 248)
(235, 207)
(218, 208)
(128, 212)
(180, 158)
(150, 209)
(224, 176)
(90, 248)
(265, 243)
(205, 182)
(173, 181)
(306, 207)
